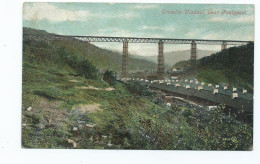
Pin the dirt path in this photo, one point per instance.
(94, 88)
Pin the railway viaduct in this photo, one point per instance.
(127, 40)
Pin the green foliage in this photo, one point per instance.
(83, 66)
(234, 66)
(182, 64)
(110, 77)
(101, 58)
(49, 93)
(217, 131)
(88, 70)
(136, 88)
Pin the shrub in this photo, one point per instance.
(82, 66)
(88, 70)
(110, 77)
(138, 89)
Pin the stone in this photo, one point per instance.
(29, 108)
(109, 144)
(74, 144)
(90, 125)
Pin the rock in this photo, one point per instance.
(29, 108)
(70, 141)
(90, 125)
(75, 129)
(168, 104)
(74, 144)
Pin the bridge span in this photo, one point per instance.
(125, 40)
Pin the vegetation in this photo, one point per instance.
(137, 89)
(234, 66)
(182, 64)
(103, 59)
(69, 103)
(110, 77)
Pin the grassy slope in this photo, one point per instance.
(48, 81)
(102, 58)
(234, 68)
(182, 64)
(48, 89)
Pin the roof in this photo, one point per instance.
(244, 100)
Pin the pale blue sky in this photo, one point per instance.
(141, 20)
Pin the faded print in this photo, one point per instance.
(138, 76)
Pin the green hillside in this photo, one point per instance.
(102, 58)
(182, 64)
(234, 66)
(68, 102)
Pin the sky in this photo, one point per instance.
(180, 21)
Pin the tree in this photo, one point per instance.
(87, 69)
(110, 77)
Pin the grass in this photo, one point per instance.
(226, 76)
(233, 66)
(52, 87)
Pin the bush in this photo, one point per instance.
(82, 66)
(136, 88)
(110, 77)
(44, 94)
(217, 131)
(88, 70)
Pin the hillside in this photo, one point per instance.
(171, 58)
(68, 102)
(234, 66)
(102, 58)
(182, 64)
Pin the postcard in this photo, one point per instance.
(138, 76)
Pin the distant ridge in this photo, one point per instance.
(171, 58)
